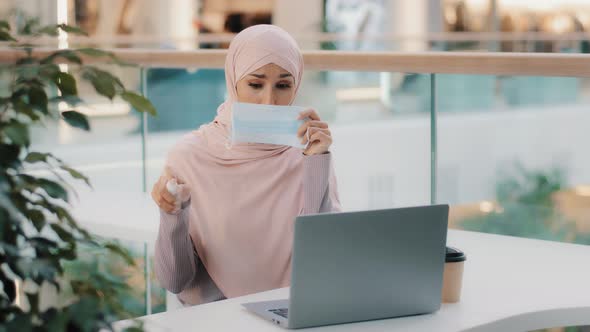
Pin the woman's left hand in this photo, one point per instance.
(315, 133)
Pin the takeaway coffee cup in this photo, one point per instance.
(453, 275)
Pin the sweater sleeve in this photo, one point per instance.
(319, 185)
(175, 259)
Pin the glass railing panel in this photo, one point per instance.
(185, 98)
(517, 165)
(380, 123)
(479, 93)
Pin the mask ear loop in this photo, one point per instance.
(306, 133)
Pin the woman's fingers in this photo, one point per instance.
(320, 143)
(313, 130)
(156, 190)
(322, 137)
(309, 124)
(314, 133)
(309, 113)
(162, 202)
(163, 198)
(168, 207)
(167, 196)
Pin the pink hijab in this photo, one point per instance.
(244, 197)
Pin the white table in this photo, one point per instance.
(510, 284)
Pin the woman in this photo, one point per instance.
(229, 230)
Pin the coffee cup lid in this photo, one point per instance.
(454, 255)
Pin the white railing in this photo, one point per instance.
(534, 64)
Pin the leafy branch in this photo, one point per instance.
(38, 235)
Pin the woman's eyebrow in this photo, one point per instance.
(264, 76)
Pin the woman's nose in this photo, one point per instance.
(268, 97)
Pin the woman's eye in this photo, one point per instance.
(283, 86)
(255, 85)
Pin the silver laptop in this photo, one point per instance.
(357, 266)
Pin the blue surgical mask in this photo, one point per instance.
(270, 124)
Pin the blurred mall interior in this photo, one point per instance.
(511, 150)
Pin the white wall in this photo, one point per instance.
(299, 18)
(408, 18)
(475, 147)
(472, 151)
(45, 10)
(168, 19)
(414, 18)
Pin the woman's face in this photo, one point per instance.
(269, 84)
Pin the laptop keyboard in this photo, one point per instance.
(283, 312)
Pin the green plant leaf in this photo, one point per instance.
(9, 153)
(4, 25)
(35, 157)
(53, 189)
(37, 218)
(101, 53)
(102, 85)
(24, 61)
(70, 100)
(38, 269)
(5, 36)
(95, 52)
(76, 175)
(62, 233)
(50, 30)
(54, 320)
(20, 90)
(38, 99)
(7, 209)
(23, 322)
(11, 249)
(69, 253)
(72, 29)
(9, 286)
(103, 82)
(18, 133)
(48, 71)
(76, 119)
(66, 83)
(66, 54)
(66, 217)
(26, 109)
(31, 25)
(121, 252)
(139, 102)
(83, 313)
(42, 245)
(33, 299)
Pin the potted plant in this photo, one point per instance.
(38, 235)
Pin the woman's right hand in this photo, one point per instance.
(168, 202)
